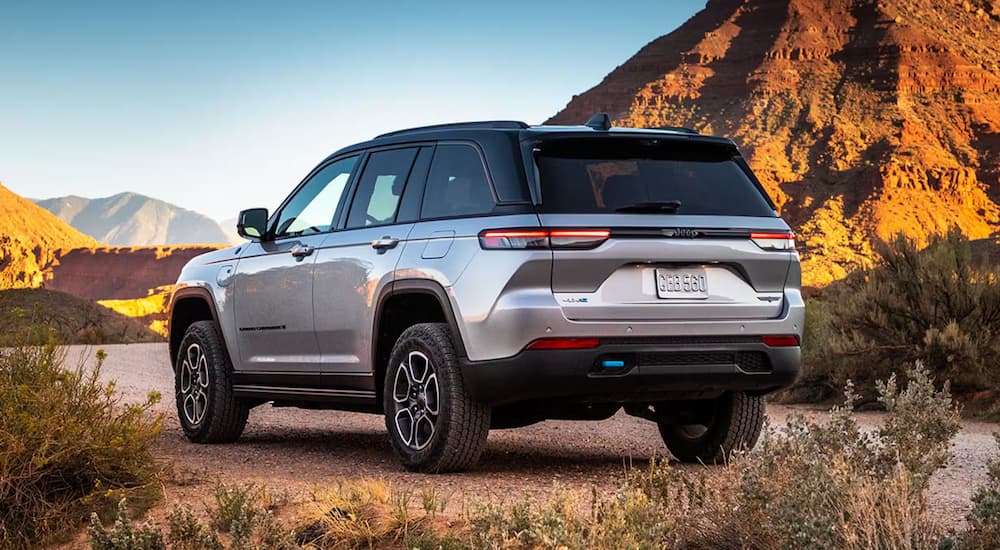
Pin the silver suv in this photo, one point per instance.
(463, 277)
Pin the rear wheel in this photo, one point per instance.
(729, 423)
(206, 407)
(433, 424)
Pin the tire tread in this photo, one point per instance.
(465, 429)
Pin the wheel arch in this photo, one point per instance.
(401, 305)
(188, 305)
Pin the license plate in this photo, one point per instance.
(681, 283)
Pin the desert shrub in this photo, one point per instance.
(246, 513)
(124, 535)
(833, 485)
(936, 304)
(240, 518)
(68, 445)
(984, 519)
(811, 484)
(188, 533)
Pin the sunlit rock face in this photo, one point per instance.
(30, 239)
(862, 118)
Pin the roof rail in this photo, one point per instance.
(489, 124)
(681, 129)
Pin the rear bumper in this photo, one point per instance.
(654, 370)
(495, 329)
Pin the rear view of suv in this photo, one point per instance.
(470, 276)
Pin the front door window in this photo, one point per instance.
(312, 209)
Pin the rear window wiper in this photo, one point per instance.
(662, 207)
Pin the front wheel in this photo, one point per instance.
(433, 423)
(729, 423)
(206, 407)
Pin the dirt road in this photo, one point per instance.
(296, 450)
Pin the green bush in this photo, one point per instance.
(937, 304)
(68, 446)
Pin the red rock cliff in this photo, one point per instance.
(863, 118)
(118, 273)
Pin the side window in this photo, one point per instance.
(311, 210)
(456, 185)
(380, 188)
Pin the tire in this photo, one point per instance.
(731, 423)
(434, 426)
(207, 410)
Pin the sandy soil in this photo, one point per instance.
(297, 450)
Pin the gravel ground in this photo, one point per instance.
(296, 450)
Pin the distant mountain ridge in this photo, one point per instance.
(131, 219)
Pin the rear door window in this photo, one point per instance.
(457, 184)
(582, 176)
(380, 188)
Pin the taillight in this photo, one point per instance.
(514, 238)
(774, 241)
(493, 239)
(578, 238)
(565, 343)
(783, 341)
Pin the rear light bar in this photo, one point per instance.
(565, 343)
(774, 240)
(519, 239)
(783, 341)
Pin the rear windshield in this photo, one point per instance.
(593, 175)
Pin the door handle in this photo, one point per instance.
(385, 243)
(302, 251)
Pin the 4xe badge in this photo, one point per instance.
(575, 300)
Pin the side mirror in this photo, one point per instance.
(252, 223)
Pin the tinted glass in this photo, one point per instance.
(457, 184)
(380, 188)
(604, 175)
(312, 208)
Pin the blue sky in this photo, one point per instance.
(222, 106)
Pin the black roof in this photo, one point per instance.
(517, 131)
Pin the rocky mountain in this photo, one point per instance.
(30, 240)
(130, 219)
(862, 118)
